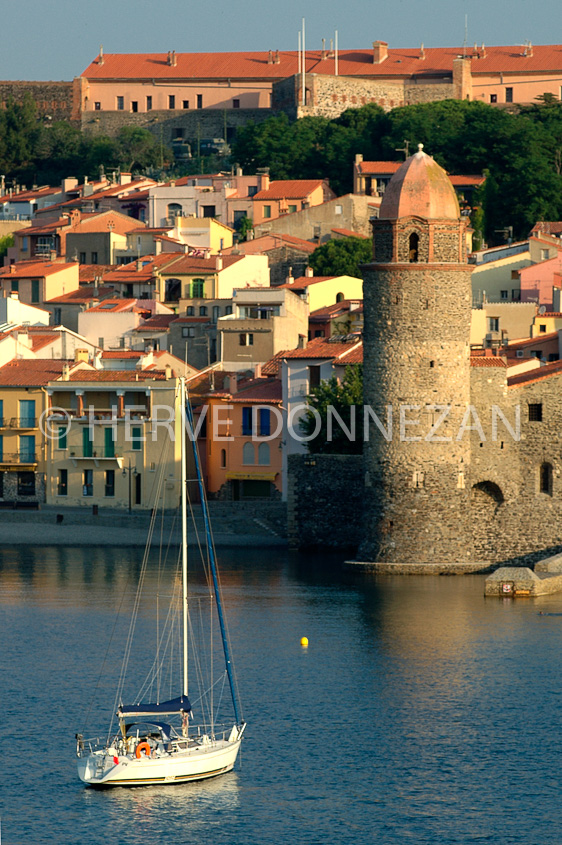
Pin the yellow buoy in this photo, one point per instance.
(304, 641)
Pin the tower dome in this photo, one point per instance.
(420, 188)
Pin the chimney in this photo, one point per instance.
(380, 52)
(324, 51)
(529, 50)
(308, 272)
(257, 371)
(239, 171)
(422, 53)
(100, 57)
(68, 183)
(483, 52)
(80, 355)
(169, 59)
(12, 268)
(174, 59)
(290, 280)
(168, 371)
(263, 179)
(277, 60)
(65, 372)
(218, 262)
(270, 57)
(139, 265)
(53, 255)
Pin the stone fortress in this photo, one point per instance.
(462, 466)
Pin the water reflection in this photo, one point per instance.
(199, 804)
(420, 712)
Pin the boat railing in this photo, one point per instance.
(88, 746)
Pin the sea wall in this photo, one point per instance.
(325, 501)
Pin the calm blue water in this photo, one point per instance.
(420, 713)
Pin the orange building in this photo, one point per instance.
(285, 196)
(241, 436)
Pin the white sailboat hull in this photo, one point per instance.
(215, 758)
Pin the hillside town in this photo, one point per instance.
(113, 287)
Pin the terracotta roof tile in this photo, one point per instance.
(31, 372)
(83, 295)
(115, 375)
(487, 361)
(536, 374)
(122, 354)
(271, 367)
(266, 243)
(26, 269)
(349, 233)
(259, 390)
(545, 227)
(157, 323)
(321, 348)
(289, 189)
(258, 65)
(88, 272)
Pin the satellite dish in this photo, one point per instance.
(542, 309)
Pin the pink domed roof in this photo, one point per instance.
(420, 188)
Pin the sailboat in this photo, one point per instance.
(160, 742)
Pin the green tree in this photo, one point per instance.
(5, 243)
(341, 257)
(137, 148)
(339, 407)
(243, 226)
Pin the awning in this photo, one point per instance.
(175, 705)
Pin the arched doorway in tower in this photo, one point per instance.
(485, 503)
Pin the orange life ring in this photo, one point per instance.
(142, 746)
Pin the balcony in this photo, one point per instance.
(23, 422)
(22, 458)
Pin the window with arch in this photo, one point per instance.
(545, 479)
(189, 311)
(223, 458)
(248, 454)
(263, 454)
(340, 297)
(413, 247)
(174, 209)
(203, 311)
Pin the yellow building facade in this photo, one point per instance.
(114, 442)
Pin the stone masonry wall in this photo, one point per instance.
(202, 123)
(10, 488)
(512, 518)
(324, 501)
(53, 99)
(329, 96)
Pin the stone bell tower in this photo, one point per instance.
(417, 301)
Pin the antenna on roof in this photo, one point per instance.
(465, 35)
(405, 149)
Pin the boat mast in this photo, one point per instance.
(182, 433)
(213, 567)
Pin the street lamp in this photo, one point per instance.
(129, 469)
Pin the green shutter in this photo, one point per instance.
(109, 443)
